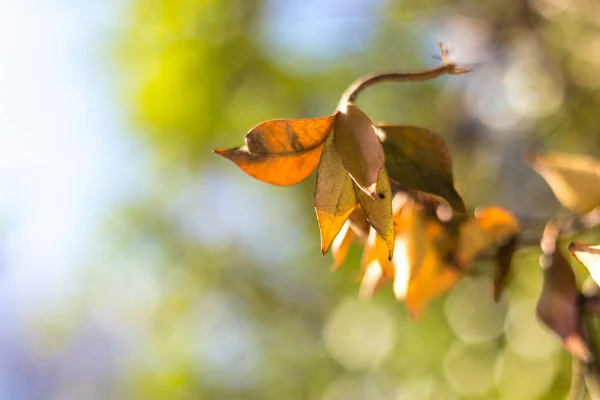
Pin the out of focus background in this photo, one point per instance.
(136, 264)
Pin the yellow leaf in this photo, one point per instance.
(589, 255)
(433, 277)
(410, 245)
(359, 148)
(373, 278)
(419, 160)
(376, 250)
(341, 244)
(282, 152)
(574, 179)
(491, 226)
(334, 195)
(378, 211)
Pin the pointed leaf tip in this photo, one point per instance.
(334, 196)
(589, 255)
(281, 152)
(378, 211)
(558, 305)
(573, 178)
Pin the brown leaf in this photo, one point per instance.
(379, 210)
(574, 179)
(419, 160)
(558, 304)
(341, 244)
(359, 148)
(282, 152)
(504, 257)
(334, 195)
(589, 255)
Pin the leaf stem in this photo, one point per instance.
(447, 68)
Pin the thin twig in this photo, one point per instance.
(447, 68)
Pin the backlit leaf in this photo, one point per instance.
(376, 249)
(574, 179)
(341, 244)
(419, 160)
(282, 152)
(558, 304)
(379, 210)
(491, 226)
(410, 245)
(334, 195)
(359, 148)
(433, 277)
(589, 255)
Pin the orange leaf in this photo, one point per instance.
(282, 152)
(410, 245)
(376, 250)
(341, 244)
(434, 277)
(334, 195)
(491, 226)
(359, 148)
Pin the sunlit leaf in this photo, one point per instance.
(359, 148)
(376, 249)
(419, 160)
(574, 179)
(504, 257)
(558, 304)
(378, 211)
(282, 152)
(410, 245)
(373, 278)
(589, 255)
(491, 226)
(335, 197)
(359, 224)
(433, 277)
(341, 244)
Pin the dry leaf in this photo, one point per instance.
(376, 249)
(419, 160)
(589, 255)
(433, 277)
(410, 245)
(504, 257)
(282, 152)
(491, 226)
(359, 148)
(558, 304)
(334, 195)
(378, 211)
(341, 244)
(574, 179)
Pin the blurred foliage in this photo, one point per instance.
(215, 288)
